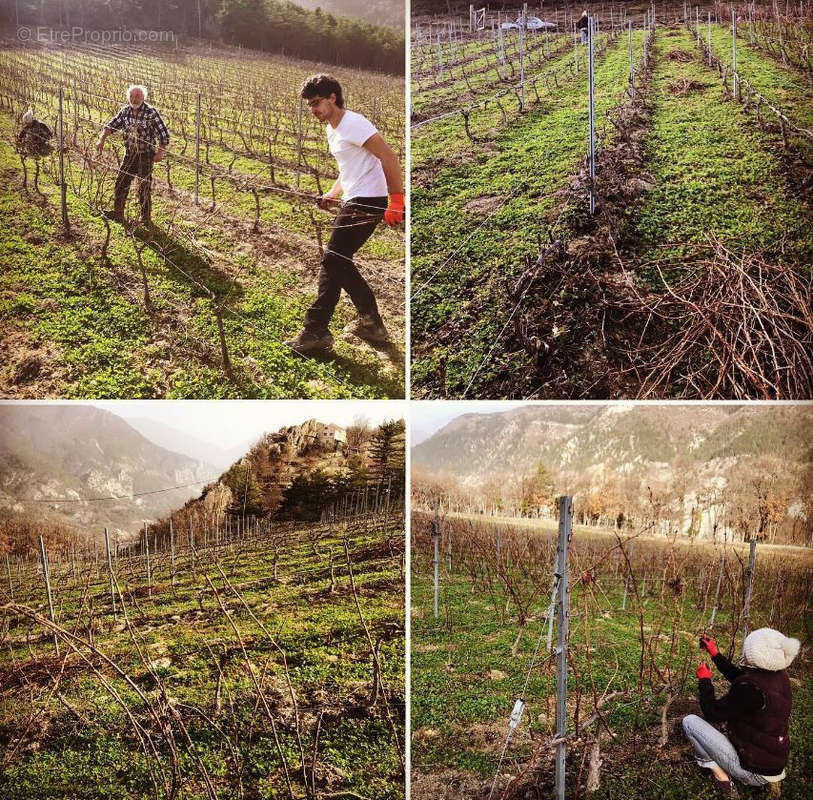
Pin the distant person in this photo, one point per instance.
(582, 25)
(34, 137)
(756, 711)
(368, 172)
(141, 125)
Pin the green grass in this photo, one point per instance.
(780, 84)
(485, 75)
(715, 173)
(430, 143)
(458, 315)
(465, 677)
(81, 743)
(87, 323)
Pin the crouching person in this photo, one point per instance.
(756, 710)
(34, 137)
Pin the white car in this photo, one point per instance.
(536, 24)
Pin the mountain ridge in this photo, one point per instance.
(567, 438)
(65, 462)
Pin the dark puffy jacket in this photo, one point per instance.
(757, 710)
(582, 23)
(35, 139)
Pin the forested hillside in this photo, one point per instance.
(277, 27)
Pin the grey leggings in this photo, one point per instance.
(712, 748)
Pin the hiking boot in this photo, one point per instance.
(368, 327)
(724, 788)
(114, 215)
(308, 342)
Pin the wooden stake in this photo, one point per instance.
(110, 571)
(746, 610)
(172, 550)
(147, 559)
(47, 575)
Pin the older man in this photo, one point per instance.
(141, 125)
(584, 26)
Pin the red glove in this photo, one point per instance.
(707, 643)
(703, 672)
(395, 210)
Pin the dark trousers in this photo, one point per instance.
(135, 165)
(352, 227)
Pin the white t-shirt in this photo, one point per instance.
(360, 172)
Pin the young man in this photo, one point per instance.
(141, 125)
(756, 711)
(368, 172)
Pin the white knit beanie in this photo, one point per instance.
(769, 649)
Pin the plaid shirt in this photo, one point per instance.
(140, 128)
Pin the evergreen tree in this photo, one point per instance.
(387, 452)
(246, 492)
(271, 25)
(308, 496)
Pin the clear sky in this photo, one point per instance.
(226, 422)
(429, 416)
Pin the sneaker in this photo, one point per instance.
(368, 327)
(308, 342)
(114, 215)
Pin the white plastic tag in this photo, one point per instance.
(516, 714)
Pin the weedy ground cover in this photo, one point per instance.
(715, 173)
(249, 251)
(270, 666)
(633, 650)
(459, 304)
(689, 184)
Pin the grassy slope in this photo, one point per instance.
(89, 326)
(460, 313)
(430, 144)
(715, 172)
(464, 684)
(96, 756)
(484, 76)
(782, 84)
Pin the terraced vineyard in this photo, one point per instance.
(246, 660)
(199, 307)
(701, 234)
